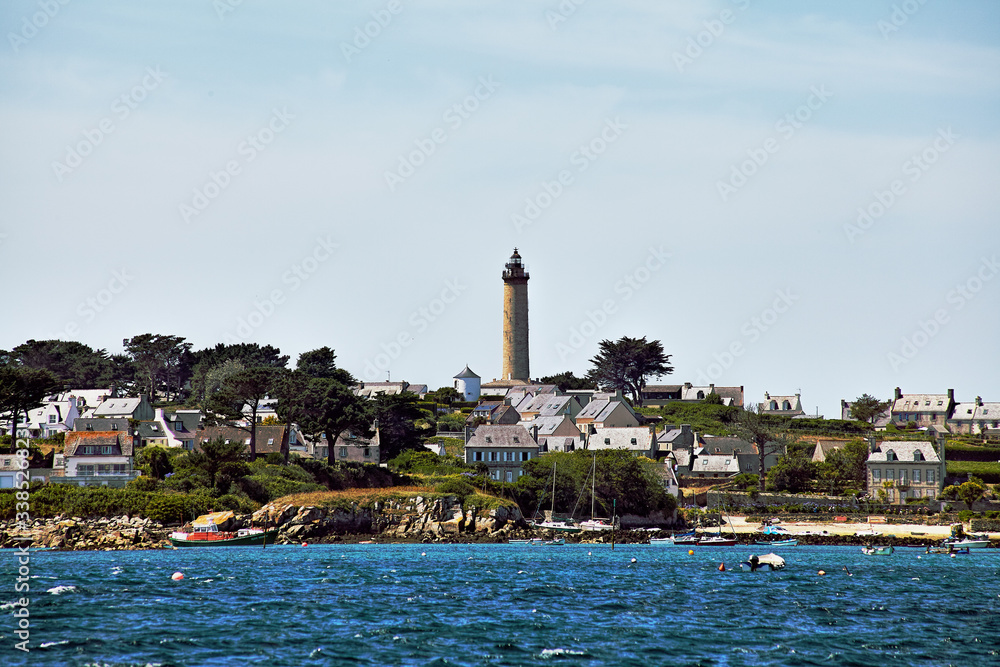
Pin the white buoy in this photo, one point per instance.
(423, 553)
(633, 560)
(177, 576)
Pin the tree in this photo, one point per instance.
(626, 363)
(159, 359)
(22, 389)
(154, 462)
(969, 492)
(868, 408)
(319, 363)
(74, 364)
(755, 428)
(331, 408)
(845, 466)
(567, 381)
(218, 452)
(241, 391)
(396, 415)
(445, 395)
(793, 472)
(712, 399)
(249, 355)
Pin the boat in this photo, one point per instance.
(205, 533)
(685, 540)
(769, 562)
(777, 543)
(539, 542)
(947, 550)
(555, 524)
(594, 524)
(968, 543)
(717, 541)
(877, 551)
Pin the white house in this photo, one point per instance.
(101, 458)
(55, 416)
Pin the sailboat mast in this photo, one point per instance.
(593, 486)
(553, 514)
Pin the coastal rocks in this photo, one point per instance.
(412, 519)
(77, 534)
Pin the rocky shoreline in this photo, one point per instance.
(412, 520)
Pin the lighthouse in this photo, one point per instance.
(515, 320)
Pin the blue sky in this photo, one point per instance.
(247, 177)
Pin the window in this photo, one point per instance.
(107, 449)
(918, 456)
(270, 441)
(525, 456)
(916, 477)
(876, 475)
(890, 455)
(930, 478)
(368, 452)
(495, 475)
(510, 475)
(701, 395)
(343, 452)
(890, 474)
(517, 439)
(902, 477)
(633, 441)
(493, 456)
(52, 419)
(489, 438)
(607, 441)
(785, 405)
(477, 456)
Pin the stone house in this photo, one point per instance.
(905, 469)
(503, 448)
(98, 458)
(924, 410)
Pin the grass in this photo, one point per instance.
(988, 472)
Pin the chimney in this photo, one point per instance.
(979, 401)
(711, 388)
(899, 394)
(871, 444)
(951, 395)
(534, 433)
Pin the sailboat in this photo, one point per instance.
(594, 524)
(553, 523)
(718, 540)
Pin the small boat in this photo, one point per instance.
(595, 525)
(685, 540)
(539, 542)
(767, 561)
(717, 541)
(205, 533)
(947, 550)
(778, 543)
(557, 525)
(878, 551)
(971, 542)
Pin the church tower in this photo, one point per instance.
(515, 320)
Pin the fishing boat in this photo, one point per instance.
(778, 543)
(947, 550)
(877, 551)
(205, 533)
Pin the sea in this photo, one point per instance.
(500, 604)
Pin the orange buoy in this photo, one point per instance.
(177, 576)
(722, 567)
(821, 573)
(690, 552)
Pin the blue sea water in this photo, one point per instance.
(503, 605)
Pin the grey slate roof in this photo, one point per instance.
(96, 424)
(77, 439)
(904, 451)
(466, 373)
(499, 436)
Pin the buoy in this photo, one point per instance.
(821, 573)
(423, 553)
(177, 576)
(690, 552)
(953, 555)
(722, 567)
(633, 560)
(305, 544)
(590, 553)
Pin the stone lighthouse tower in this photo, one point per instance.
(515, 320)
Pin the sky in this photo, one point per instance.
(791, 197)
